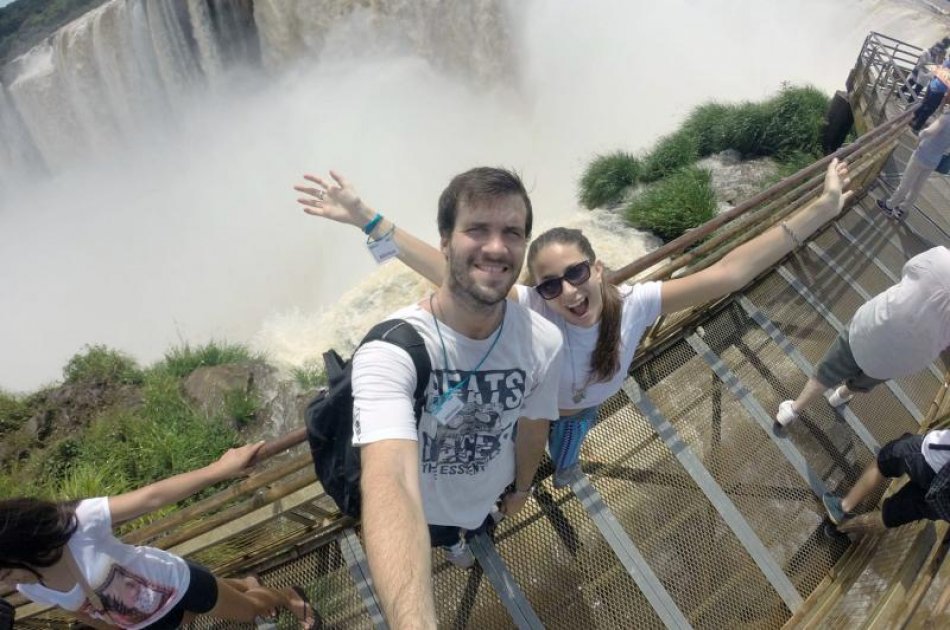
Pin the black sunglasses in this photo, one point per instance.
(575, 274)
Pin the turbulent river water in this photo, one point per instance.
(147, 150)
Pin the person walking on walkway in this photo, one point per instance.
(935, 96)
(926, 495)
(933, 143)
(898, 332)
(920, 75)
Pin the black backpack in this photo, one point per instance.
(329, 416)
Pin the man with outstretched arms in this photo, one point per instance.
(490, 397)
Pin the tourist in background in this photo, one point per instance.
(66, 554)
(896, 333)
(926, 495)
(935, 97)
(921, 75)
(933, 142)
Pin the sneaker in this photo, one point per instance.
(898, 213)
(886, 209)
(564, 477)
(460, 555)
(836, 399)
(836, 513)
(786, 415)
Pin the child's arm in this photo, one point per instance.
(125, 507)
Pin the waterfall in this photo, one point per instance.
(133, 64)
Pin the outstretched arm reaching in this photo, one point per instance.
(741, 265)
(133, 504)
(340, 202)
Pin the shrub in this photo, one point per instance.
(14, 411)
(183, 360)
(708, 123)
(311, 375)
(99, 364)
(606, 177)
(670, 154)
(795, 122)
(677, 203)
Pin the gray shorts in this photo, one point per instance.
(838, 366)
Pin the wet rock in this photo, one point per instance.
(207, 387)
(734, 179)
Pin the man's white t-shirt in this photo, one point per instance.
(137, 585)
(466, 463)
(900, 331)
(641, 306)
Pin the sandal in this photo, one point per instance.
(316, 622)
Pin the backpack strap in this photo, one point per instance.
(401, 333)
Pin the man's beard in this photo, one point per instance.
(465, 288)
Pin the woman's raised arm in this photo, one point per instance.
(741, 265)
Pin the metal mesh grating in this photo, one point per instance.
(694, 554)
(324, 576)
(566, 569)
(766, 489)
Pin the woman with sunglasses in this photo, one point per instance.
(601, 323)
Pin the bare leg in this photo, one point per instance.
(810, 393)
(236, 605)
(870, 479)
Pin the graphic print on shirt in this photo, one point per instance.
(129, 599)
(474, 436)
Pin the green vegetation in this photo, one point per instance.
(607, 177)
(98, 364)
(25, 23)
(675, 204)
(670, 154)
(311, 375)
(786, 127)
(183, 360)
(14, 411)
(124, 446)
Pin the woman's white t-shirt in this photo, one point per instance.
(641, 307)
(137, 585)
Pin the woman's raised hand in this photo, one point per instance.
(837, 180)
(336, 201)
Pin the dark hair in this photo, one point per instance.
(33, 532)
(480, 184)
(605, 360)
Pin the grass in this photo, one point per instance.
(310, 375)
(675, 204)
(670, 154)
(14, 411)
(181, 361)
(99, 364)
(241, 406)
(607, 177)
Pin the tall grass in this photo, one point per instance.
(675, 204)
(670, 154)
(607, 177)
(310, 375)
(14, 411)
(183, 360)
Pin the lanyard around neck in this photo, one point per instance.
(445, 356)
